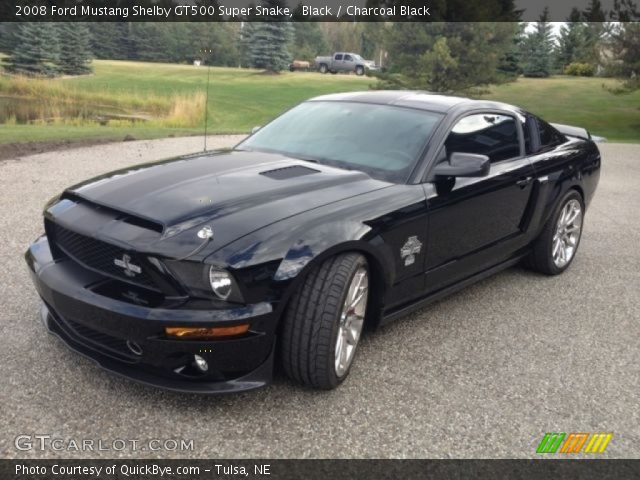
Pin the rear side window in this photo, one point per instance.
(540, 136)
(338, 57)
(549, 136)
(485, 134)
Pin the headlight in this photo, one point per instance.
(203, 280)
(221, 282)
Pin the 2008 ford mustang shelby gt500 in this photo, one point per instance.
(347, 211)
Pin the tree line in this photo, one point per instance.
(440, 56)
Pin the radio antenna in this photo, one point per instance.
(206, 101)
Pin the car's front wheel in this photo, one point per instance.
(324, 320)
(359, 71)
(558, 243)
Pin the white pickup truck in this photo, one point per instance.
(344, 62)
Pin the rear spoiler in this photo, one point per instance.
(577, 132)
(572, 131)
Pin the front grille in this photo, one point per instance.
(100, 256)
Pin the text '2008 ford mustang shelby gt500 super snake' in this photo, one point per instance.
(349, 210)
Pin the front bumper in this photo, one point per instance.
(128, 338)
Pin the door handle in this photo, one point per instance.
(523, 182)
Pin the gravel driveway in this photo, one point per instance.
(483, 373)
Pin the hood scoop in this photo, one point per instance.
(289, 172)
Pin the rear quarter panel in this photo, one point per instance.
(572, 165)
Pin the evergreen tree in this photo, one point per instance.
(595, 30)
(75, 48)
(308, 41)
(445, 56)
(625, 45)
(246, 32)
(510, 64)
(571, 42)
(269, 41)
(36, 50)
(8, 36)
(106, 40)
(537, 51)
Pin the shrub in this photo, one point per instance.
(578, 69)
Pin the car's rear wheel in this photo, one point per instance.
(324, 320)
(323, 68)
(558, 243)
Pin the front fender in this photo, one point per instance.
(271, 261)
(316, 244)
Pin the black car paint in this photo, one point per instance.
(269, 232)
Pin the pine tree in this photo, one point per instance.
(595, 29)
(105, 40)
(510, 64)
(75, 48)
(308, 41)
(538, 49)
(445, 56)
(8, 36)
(571, 42)
(36, 50)
(625, 45)
(268, 42)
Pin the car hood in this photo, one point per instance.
(235, 192)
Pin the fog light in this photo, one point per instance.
(134, 348)
(189, 333)
(200, 363)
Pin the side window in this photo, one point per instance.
(488, 134)
(549, 136)
(348, 58)
(338, 57)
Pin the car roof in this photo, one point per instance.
(413, 99)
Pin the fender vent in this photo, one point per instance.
(289, 172)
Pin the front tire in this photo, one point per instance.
(556, 247)
(359, 71)
(324, 320)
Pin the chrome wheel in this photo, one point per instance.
(351, 321)
(567, 233)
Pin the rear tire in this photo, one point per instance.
(323, 68)
(557, 245)
(323, 322)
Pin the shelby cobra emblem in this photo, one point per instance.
(130, 269)
(409, 250)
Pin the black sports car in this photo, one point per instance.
(346, 212)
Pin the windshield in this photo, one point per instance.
(381, 140)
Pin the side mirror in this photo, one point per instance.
(463, 165)
(255, 129)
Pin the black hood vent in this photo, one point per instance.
(289, 172)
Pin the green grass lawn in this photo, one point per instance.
(240, 99)
(577, 101)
